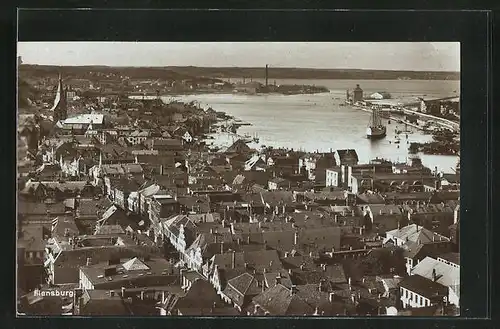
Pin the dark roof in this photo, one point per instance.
(134, 272)
(201, 295)
(453, 257)
(33, 237)
(425, 196)
(241, 288)
(370, 198)
(279, 301)
(68, 262)
(424, 286)
(98, 302)
(40, 208)
(238, 146)
(346, 154)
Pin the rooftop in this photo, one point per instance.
(424, 286)
(85, 119)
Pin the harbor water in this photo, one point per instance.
(321, 122)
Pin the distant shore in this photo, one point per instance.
(190, 72)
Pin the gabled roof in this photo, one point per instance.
(279, 301)
(135, 264)
(242, 286)
(201, 295)
(384, 209)
(415, 233)
(238, 147)
(424, 286)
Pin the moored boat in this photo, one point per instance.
(376, 129)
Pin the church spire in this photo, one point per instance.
(59, 108)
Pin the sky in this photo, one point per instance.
(413, 56)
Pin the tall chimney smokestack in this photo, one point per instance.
(267, 67)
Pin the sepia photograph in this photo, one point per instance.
(238, 179)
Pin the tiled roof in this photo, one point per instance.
(422, 196)
(238, 146)
(72, 186)
(89, 207)
(278, 277)
(65, 226)
(383, 209)
(244, 285)
(38, 208)
(201, 295)
(423, 286)
(275, 198)
(32, 238)
(371, 198)
(120, 169)
(279, 301)
(415, 233)
(333, 195)
(336, 274)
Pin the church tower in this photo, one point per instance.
(60, 105)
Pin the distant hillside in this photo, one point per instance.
(193, 72)
(24, 92)
(304, 73)
(97, 72)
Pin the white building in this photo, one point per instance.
(416, 291)
(443, 272)
(332, 178)
(376, 96)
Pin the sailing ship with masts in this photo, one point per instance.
(376, 129)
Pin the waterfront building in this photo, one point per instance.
(357, 94)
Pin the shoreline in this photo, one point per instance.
(222, 140)
(189, 93)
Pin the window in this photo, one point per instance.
(406, 293)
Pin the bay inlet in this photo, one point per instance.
(320, 122)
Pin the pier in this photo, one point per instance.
(439, 121)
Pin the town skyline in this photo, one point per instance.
(390, 56)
